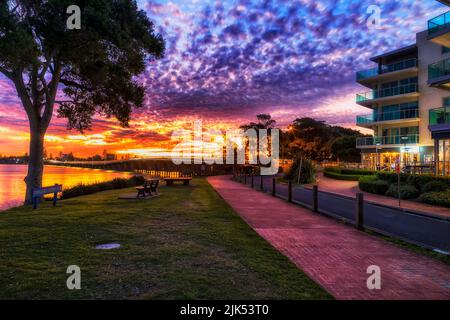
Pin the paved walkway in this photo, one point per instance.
(335, 255)
(350, 188)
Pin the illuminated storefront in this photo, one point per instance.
(386, 158)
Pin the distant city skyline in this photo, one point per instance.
(228, 61)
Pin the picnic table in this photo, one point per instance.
(150, 186)
(170, 181)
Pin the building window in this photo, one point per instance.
(446, 102)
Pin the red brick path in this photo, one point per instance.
(335, 255)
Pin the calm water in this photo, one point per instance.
(12, 186)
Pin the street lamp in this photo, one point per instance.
(378, 156)
(404, 139)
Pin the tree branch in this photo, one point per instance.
(52, 90)
(33, 117)
(8, 74)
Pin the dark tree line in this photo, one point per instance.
(313, 139)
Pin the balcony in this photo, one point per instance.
(439, 29)
(402, 69)
(396, 116)
(439, 116)
(395, 94)
(439, 123)
(387, 140)
(439, 74)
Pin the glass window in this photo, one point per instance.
(446, 102)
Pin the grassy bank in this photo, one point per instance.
(186, 243)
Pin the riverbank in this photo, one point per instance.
(12, 185)
(185, 244)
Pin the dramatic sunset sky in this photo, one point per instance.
(227, 61)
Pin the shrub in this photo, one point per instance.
(434, 185)
(439, 198)
(346, 174)
(120, 183)
(79, 190)
(307, 172)
(339, 176)
(117, 183)
(332, 169)
(392, 177)
(373, 185)
(406, 191)
(360, 172)
(138, 180)
(421, 180)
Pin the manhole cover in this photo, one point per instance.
(107, 246)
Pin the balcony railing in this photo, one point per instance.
(439, 116)
(439, 69)
(388, 92)
(373, 141)
(405, 64)
(438, 23)
(386, 116)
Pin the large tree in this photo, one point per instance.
(319, 141)
(95, 67)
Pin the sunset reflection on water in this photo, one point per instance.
(12, 185)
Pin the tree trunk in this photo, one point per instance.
(35, 163)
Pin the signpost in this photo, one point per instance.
(38, 193)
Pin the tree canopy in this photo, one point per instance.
(319, 141)
(96, 65)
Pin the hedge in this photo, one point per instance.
(346, 174)
(117, 183)
(412, 179)
(439, 198)
(406, 191)
(360, 172)
(338, 176)
(433, 186)
(392, 177)
(373, 185)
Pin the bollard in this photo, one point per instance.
(359, 217)
(274, 184)
(290, 191)
(245, 179)
(261, 183)
(315, 205)
(253, 184)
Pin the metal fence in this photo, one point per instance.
(425, 230)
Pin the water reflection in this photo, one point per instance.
(12, 186)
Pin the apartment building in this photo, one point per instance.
(409, 102)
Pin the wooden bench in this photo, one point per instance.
(38, 193)
(149, 187)
(185, 180)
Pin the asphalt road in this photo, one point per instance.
(433, 233)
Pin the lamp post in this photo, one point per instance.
(377, 165)
(404, 139)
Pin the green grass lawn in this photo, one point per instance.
(185, 244)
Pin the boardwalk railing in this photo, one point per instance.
(164, 173)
